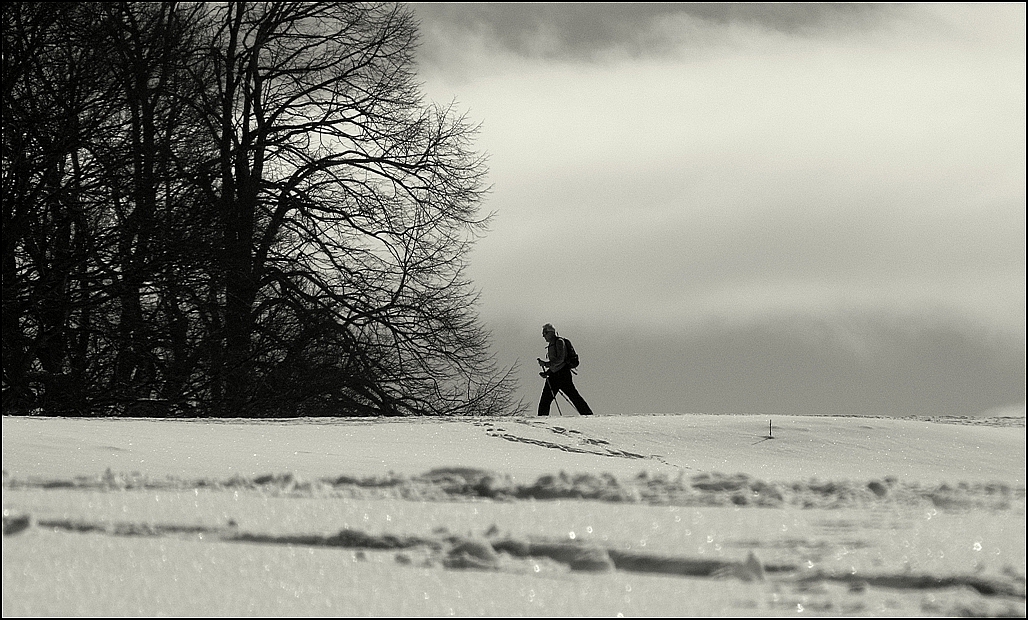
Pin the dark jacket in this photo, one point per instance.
(555, 352)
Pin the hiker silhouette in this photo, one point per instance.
(557, 372)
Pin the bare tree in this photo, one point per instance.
(347, 208)
(55, 106)
(236, 209)
(100, 222)
(155, 272)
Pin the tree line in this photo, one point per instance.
(236, 209)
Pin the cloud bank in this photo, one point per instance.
(697, 188)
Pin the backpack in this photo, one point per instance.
(570, 355)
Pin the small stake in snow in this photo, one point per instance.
(769, 434)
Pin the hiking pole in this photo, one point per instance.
(554, 395)
(569, 402)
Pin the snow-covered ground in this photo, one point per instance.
(566, 516)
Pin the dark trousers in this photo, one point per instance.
(561, 381)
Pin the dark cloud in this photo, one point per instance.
(584, 31)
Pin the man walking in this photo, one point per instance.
(558, 375)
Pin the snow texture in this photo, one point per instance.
(623, 515)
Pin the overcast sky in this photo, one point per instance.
(759, 208)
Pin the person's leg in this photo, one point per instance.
(545, 399)
(576, 399)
